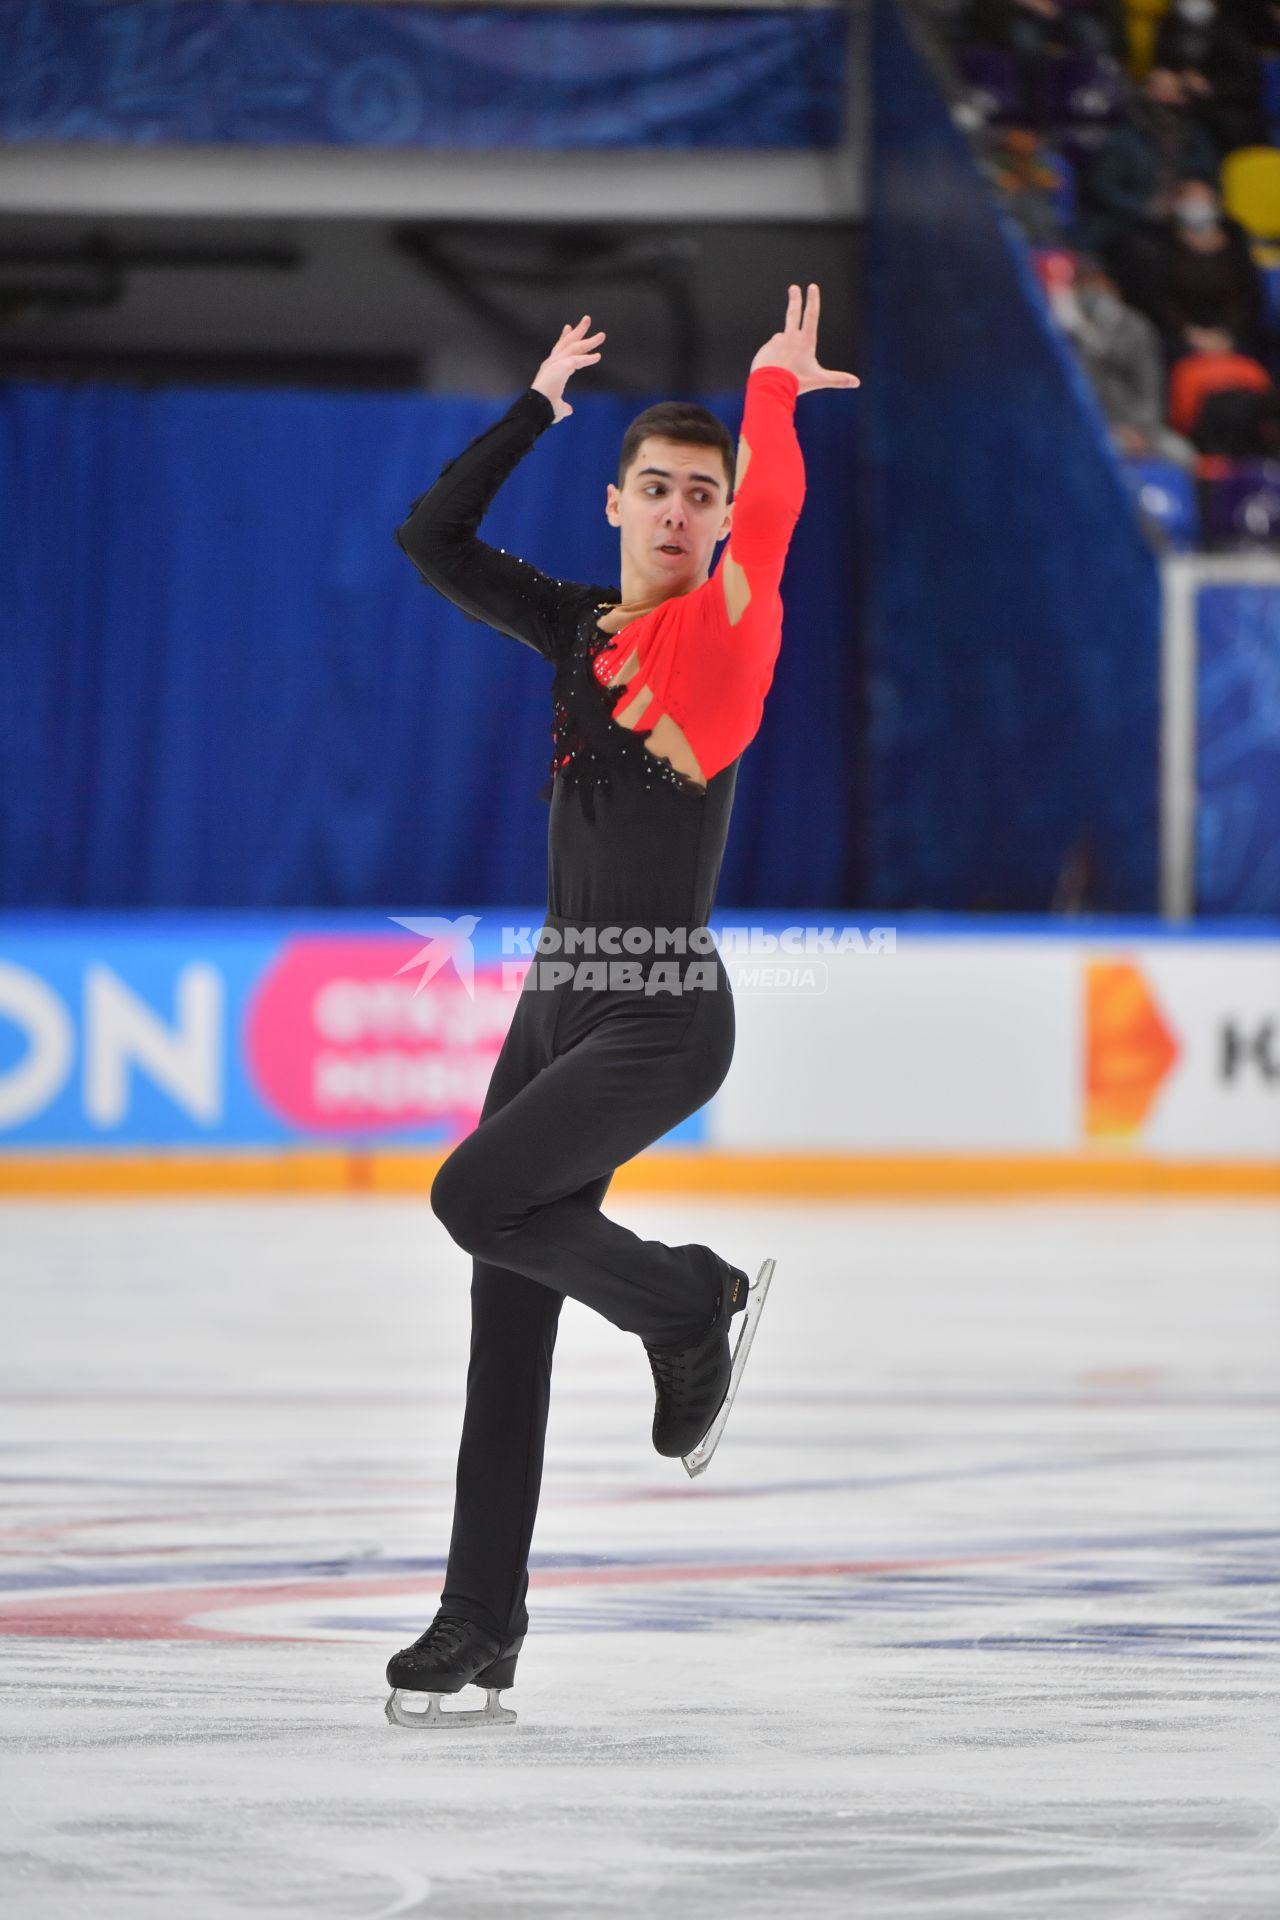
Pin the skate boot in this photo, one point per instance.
(696, 1385)
(450, 1655)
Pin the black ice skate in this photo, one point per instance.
(696, 1385)
(450, 1655)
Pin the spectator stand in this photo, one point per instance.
(1072, 100)
(1251, 195)
(1167, 502)
(1142, 24)
(1218, 530)
(1271, 94)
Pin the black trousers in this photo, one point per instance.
(587, 1077)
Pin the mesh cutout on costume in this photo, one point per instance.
(589, 744)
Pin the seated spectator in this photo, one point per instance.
(1222, 75)
(1120, 351)
(1260, 23)
(1239, 424)
(1222, 398)
(1029, 175)
(1201, 275)
(1132, 182)
(1036, 29)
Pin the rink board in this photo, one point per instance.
(167, 1052)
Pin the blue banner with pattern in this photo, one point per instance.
(270, 74)
(1238, 750)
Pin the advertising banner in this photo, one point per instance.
(158, 1030)
(921, 1038)
(1052, 1043)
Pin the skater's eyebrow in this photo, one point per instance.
(662, 473)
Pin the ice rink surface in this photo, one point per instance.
(975, 1612)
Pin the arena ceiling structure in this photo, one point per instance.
(381, 192)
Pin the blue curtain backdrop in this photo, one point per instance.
(1238, 749)
(271, 74)
(222, 684)
(1012, 613)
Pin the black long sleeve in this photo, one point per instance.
(629, 839)
(439, 535)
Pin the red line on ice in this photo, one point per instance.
(165, 1613)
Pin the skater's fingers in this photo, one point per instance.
(793, 308)
(809, 326)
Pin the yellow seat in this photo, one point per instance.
(1251, 190)
(1142, 22)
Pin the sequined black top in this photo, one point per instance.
(630, 839)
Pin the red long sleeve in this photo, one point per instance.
(711, 674)
(768, 502)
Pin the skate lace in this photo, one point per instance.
(682, 1374)
(444, 1635)
(668, 1368)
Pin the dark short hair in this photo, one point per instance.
(677, 420)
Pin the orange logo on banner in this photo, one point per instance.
(1128, 1049)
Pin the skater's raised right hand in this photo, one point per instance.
(570, 352)
(796, 347)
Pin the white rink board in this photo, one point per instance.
(940, 1044)
(1218, 997)
(983, 1046)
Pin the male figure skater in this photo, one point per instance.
(649, 729)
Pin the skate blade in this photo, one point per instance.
(700, 1459)
(433, 1715)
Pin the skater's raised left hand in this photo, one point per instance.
(570, 352)
(796, 347)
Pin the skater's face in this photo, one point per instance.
(671, 509)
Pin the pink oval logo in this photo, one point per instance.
(338, 1041)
